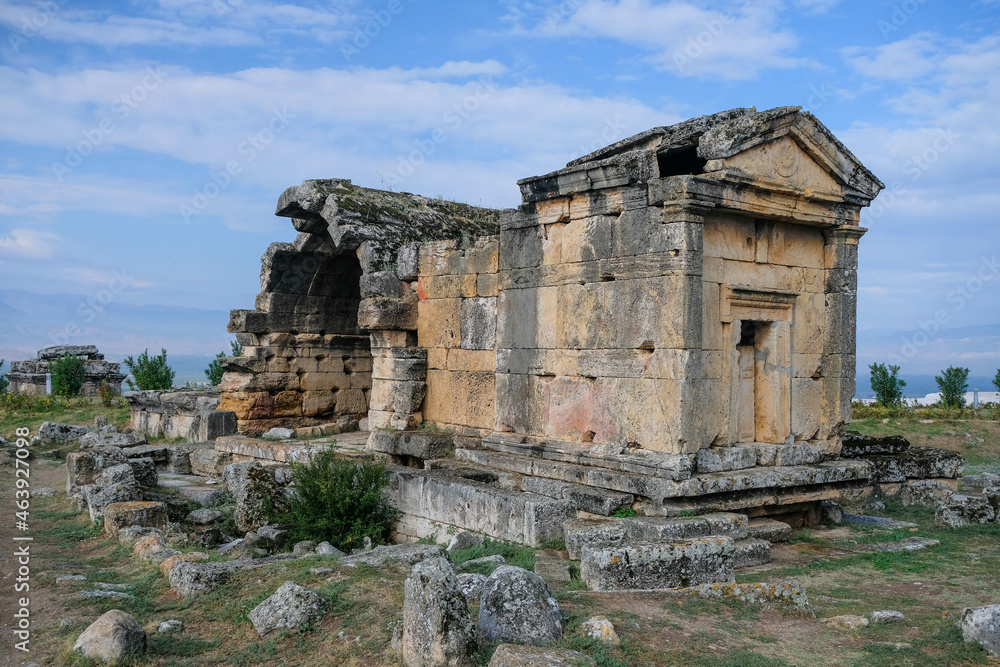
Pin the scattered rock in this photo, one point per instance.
(113, 636)
(992, 494)
(831, 512)
(66, 623)
(472, 586)
(276, 533)
(278, 433)
(188, 578)
(109, 595)
(437, 628)
(52, 434)
(909, 544)
(207, 462)
(880, 521)
(170, 627)
(153, 548)
(204, 517)
(887, 616)
(259, 485)
(327, 549)
(177, 507)
(982, 479)
(518, 607)
(403, 553)
(304, 548)
(320, 571)
(129, 535)
(963, 511)
(464, 540)
(111, 439)
(925, 492)
(67, 578)
(291, 607)
(104, 585)
(42, 492)
(116, 484)
(192, 557)
(602, 630)
(847, 622)
(487, 561)
(509, 655)
(981, 625)
(237, 549)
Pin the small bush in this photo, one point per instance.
(887, 386)
(107, 394)
(215, 370)
(339, 501)
(996, 379)
(150, 372)
(953, 383)
(5, 383)
(68, 373)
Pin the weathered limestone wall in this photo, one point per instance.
(192, 415)
(599, 327)
(457, 324)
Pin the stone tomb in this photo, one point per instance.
(31, 377)
(666, 324)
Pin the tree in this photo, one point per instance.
(996, 380)
(68, 373)
(4, 382)
(215, 370)
(887, 386)
(150, 372)
(953, 383)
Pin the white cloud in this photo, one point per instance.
(28, 244)
(682, 37)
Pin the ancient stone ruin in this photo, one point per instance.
(666, 325)
(31, 377)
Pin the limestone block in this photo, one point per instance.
(471, 360)
(521, 247)
(439, 323)
(318, 403)
(487, 284)
(478, 323)
(447, 287)
(391, 368)
(460, 397)
(437, 627)
(750, 552)
(288, 404)
(578, 532)
(916, 463)
(981, 625)
(122, 515)
(656, 565)
(382, 283)
(115, 636)
(378, 419)
(420, 445)
(721, 459)
(730, 236)
(352, 402)
(397, 396)
(516, 606)
(511, 655)
(768, 529)
(388, 313)
(800, 453)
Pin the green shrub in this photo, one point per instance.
(5, 383)
(68, 373)
(953, 383)
(996, 379)
(339, 501)
(887, 386)
(150, 372)
(215, 370)
(107, 394)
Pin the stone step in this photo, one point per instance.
(580, 532)
(751, 551)
(769, 529)
(659, 564)
(434, 501)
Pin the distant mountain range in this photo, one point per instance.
(192, 337)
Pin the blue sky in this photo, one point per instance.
(152, 139)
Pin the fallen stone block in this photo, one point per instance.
(410, 554)
(857, 445)
(146, 514)
(437, 628)
(771, 530)
(847, 622)
(964, 511)
(602, 630)
(289, 608)
(981, 625)
(144, 471)
(782, 594)
(915, 463)
(82, 468)
(661, 564)
(153, 548)
(464, 540)
(193, 557)
(112, 637)
(209, 462)
(887, 616)
(471, 584)
(188, 578)
(931, 492)
(516, 606)
(51, 434)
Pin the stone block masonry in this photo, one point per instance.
(31, 377)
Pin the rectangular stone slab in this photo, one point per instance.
(652, 565)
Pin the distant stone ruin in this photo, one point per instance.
(31, 377)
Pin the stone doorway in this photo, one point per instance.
(760, 389)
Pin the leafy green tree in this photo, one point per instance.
(888, 387)
(337, 500)
(5, 383)
(150, 372)
(68, 373)
(953, 383)
(996, 379)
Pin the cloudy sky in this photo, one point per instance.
(143, 144)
